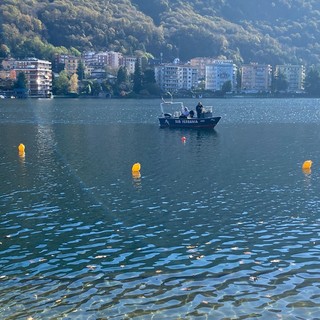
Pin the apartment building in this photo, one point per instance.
(256, 78)
(38, 73)
(130, 63)
(71, 64)
(173, 77)
(294, 75)
(219, 72)
(200, 63)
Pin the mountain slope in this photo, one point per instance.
(279, 31)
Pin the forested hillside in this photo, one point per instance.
(266, 31)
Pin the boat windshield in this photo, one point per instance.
(171, 107)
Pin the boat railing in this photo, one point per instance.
(208, 109)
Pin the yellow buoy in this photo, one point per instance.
(307, 164)
(306, 171)
(136, 175)
(136, 167)
(21, 148)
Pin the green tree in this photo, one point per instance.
(226, 87)
(88, 89)
(4, 51)
(238, 80)
(280, 83)
(107, 88)
(81, 70)
(122, 85)
(61, 84)
(149, 77)
(22, 81)
(122, 75)
(137, 78)
(312, 82)
(96, 88)
(21, 86)
(149, 83)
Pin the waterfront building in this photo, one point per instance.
(8, 74)
(200, 63)
(219, 72)
(294, 75)
(256, 78)
(38, 73)
(174, 77)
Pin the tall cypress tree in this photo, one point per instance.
(137, 77)
(81, 71)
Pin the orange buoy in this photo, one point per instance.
(21, 148)
(136, 167)
(307, 164)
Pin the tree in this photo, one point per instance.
(226, 87)
(149, 83)
(96, 88)
(61, 84)
(122, 75)
(4, 51)
(312, 82)
(21, 85)
(81, 71)
(122, 85)
(73, 83)
(137, 78)
(280, 83)
(22, 81)
(107, 88)
(149, 76)
(238, 80)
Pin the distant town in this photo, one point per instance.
(112, 74)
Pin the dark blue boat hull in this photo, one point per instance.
(192, 123)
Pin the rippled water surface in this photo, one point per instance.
(222, 226)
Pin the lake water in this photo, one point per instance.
(223, 225)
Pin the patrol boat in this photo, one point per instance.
(172, 117)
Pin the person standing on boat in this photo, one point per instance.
(199, 109)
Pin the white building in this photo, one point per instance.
(38, 73)
(256, 78)
(174, 77)
(130, 63)
(109, 59)
(114, 59)
(219, 72)
(294, 75)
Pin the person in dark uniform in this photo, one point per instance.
(199, 109)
